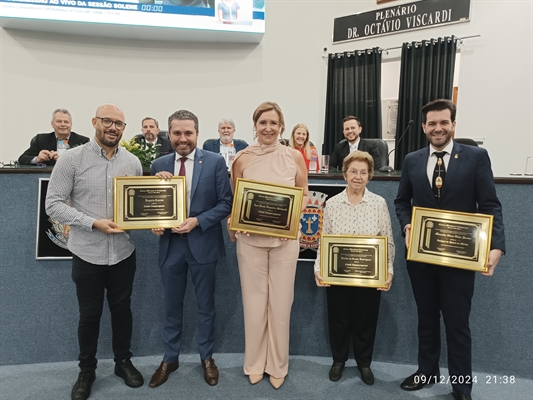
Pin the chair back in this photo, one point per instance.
(383, 148)
(466, 141)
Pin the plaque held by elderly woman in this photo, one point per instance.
(450, 238)
(348, 260)
(146, 202)
(266, 209)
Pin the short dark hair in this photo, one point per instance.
(183, 115)
(439, 105)
(350, 118)
(148, 118)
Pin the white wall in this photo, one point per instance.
(40, 72)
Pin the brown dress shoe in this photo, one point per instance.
(210, 372)
(162, 373)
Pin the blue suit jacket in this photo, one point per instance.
(468, 187)
(214, 145)
(211, 200)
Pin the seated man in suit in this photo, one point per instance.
(352, 132)
(44, 146)
(150, 134)
(226, 145)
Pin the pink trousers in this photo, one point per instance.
(267, 282)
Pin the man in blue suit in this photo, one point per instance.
(195, 245)
(226, 145)
(466, 185)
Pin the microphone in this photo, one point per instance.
(388, 168)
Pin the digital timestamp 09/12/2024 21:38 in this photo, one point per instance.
(460, 379)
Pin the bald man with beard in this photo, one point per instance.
(80, 194)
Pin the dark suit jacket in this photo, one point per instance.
(48, 141)
(214, 145)
(164, 148)
(342, 149)
(468, 187)
(211, 200)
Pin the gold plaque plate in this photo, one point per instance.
(348, 260)
(146, 202)
(450, 238)
(266, 209)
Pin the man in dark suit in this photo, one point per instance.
(194, 245)
(446, 176)
(150, 134)
(44, 147)
(226, 145)
(352, 132)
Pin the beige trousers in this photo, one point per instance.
(267, 282)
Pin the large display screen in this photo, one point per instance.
(247, 16)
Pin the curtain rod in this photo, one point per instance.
(418, 43)
(359, 52)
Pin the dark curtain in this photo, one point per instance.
(353, 88)
(426, 74)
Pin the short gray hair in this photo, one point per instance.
(150, 118)
(226, 121)
(183, 115)
(62, 111)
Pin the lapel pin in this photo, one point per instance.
(199, 162)
(457, 156)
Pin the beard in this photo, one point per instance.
(109, 142)
(183, 151)
(150, 137)
(226, 139)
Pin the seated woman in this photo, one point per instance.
(353, 311)
(300, 141)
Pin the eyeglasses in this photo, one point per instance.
(108, 123)
(362, 174)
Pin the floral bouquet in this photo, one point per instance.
(145, 152)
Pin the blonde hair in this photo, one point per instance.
(358, 155)
(269, 106)
(307, 147)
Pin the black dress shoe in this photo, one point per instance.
(414, 382)
(335, 373)
(458, 396)
(82, 388)
(210, 372)
(129, 373)
(366, 375)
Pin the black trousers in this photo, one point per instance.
(448, 291)
(352, 317)
(92, 281)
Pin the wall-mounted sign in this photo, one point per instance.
(418, 15)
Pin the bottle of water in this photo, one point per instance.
(62, 146)
(312, 161)
(231, 156)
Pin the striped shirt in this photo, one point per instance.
(81, 190)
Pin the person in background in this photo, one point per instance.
(300, 141)
(267, 265)
(228, 11)
(194, 246)
(45, 148)
(446, 176)
(227, 146)
(353, 311)
(352, 129)
(150, 134)
(80, 194)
